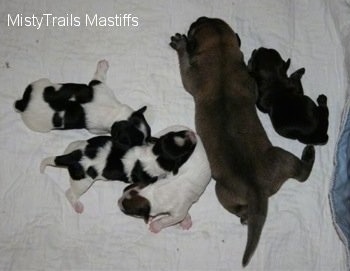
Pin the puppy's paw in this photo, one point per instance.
(322, 100)
(155, 226)
(186, 224)
(308, 153)
(178, 42)
(78, 207)
(102, 66)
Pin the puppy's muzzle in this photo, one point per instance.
(192, 137)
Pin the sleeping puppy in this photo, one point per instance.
(46, 106)
(245, 165)
(293, 115)
(124, 156)
(167, 201)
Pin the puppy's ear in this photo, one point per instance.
(298, 74)
(286, 65)
(141, 111)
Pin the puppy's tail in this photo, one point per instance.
(49, 161)
(21, 105)
(257, 211)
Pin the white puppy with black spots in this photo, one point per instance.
(167, 201)
(123, 156)
(48, 106)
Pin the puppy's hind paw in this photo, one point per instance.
(78, 207)
(322, 100)
(178, 42)
(186, 224)
(155, 226)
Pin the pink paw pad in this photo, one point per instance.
(103, 66)
(78, 207)
(186, 224)
(155, 227)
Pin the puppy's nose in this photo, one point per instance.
(120, 204)
(192, 136)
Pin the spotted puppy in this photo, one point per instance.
(123, 156)
(167, 201)
(293, 114)
(46, 106)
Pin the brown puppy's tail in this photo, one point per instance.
(257, 211)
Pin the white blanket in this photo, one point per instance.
(38, 228)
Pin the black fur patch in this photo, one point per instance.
(57, 99)
(94, 144)
(92, 172)
(94, 83)
(71, 160)
(74, 116)
(22, 104)
(114, 169)
(57, 120)
(171, 156)
(138, 175)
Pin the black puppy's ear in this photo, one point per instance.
(286, 65)
(297, 74)
(141, 110)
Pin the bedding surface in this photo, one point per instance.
(38, 228)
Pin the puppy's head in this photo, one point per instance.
(133, 204)
(132, 132)
(267, 63)
(206, 33)
(174, 148)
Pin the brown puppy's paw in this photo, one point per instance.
(178, 42)
(322, 100)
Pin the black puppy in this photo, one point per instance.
(123, 157)
(293, 114)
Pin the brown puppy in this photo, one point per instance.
(245, 165)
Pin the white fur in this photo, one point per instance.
(100, 114)
(171, 198)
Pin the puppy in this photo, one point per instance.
(293, 114)
(123, 156)
(167, 201)
(245, 165)
(46, 106)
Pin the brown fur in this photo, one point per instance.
(245, 165)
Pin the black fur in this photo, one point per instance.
(92, 172)
(68, 99)
(293, 114)
(171, 156)
(22, 104)
(138, 175)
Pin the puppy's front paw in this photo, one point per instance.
(178, 42)
(322, 100)
(102, 66)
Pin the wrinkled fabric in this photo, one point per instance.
(38, 228)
